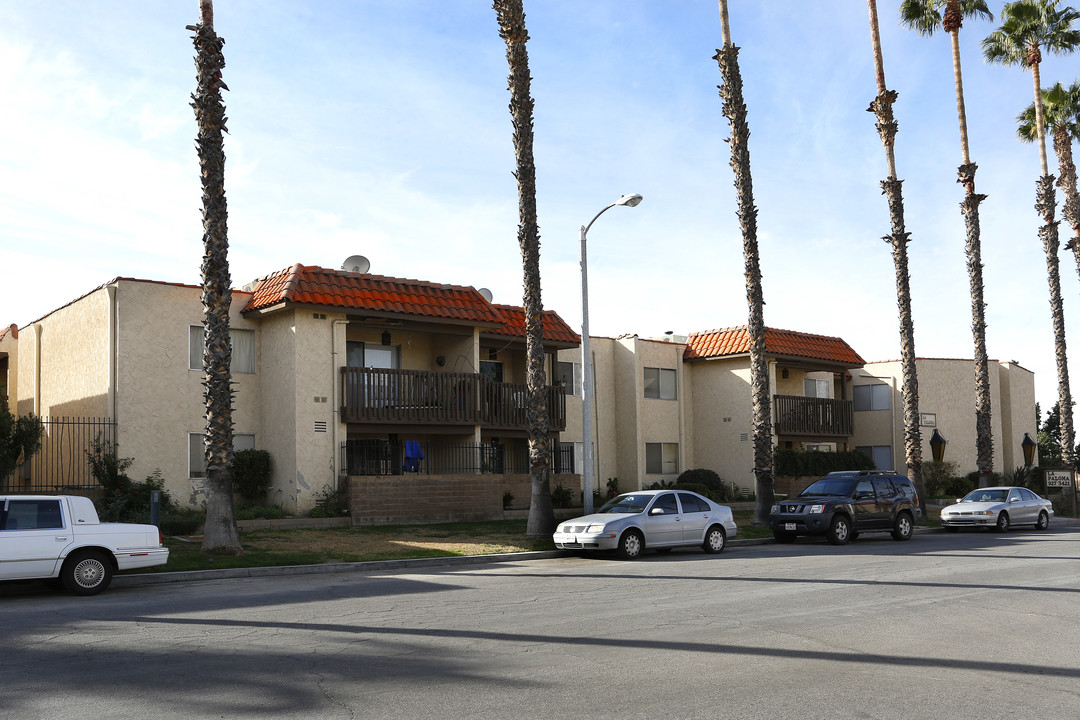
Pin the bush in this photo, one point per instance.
(508, 500)
(182, 522)
(251, 474)
(259, 512)
(938, 477)
(130, 502)
(719, 491)
(700, 489)
(330, 502)
(814, 463)
(562, 496)
(659, 485)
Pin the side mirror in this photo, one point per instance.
(656, 511)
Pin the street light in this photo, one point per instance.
(631, 200)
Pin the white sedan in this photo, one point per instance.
(999, 508)
(654, 519)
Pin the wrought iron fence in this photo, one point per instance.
(61, 464)
(384, 457)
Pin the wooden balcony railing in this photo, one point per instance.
(813, 416)
(375, 395)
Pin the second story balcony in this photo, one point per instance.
(381, 396)
(815, 417)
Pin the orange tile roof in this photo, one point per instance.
(736, 341)
(555, 328)
(13, 329)
(311, 285)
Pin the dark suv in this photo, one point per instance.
(843, 504)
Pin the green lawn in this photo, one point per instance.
(263, 548)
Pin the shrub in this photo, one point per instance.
(718, 490)
(182, 522)
(562, 496)
(251, 474)
(612, 487)
(659, 485)
(508, 500)
(259, 512)
(938, 477)
(107, 468)
(700, 489)
(330, 502)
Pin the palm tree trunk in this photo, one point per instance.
(1044, 204)
(221, 535)
(984, 438)
(1067, 182)
(892, 188)
(512, 29)
(735, 111)
(1040, 122)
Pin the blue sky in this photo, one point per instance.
(381, 128)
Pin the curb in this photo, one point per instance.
(140, 579)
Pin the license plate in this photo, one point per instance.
(789, 526)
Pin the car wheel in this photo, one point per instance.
(715, 539)
(86, 573)
(784, 537)
(1043, 522)
(631, 544)
(839, 530)
(1002, 522)
(903, 527)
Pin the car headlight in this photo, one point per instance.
(594, 528)
(560, 529)
(817, 509)
(985, 512)
(775, 509)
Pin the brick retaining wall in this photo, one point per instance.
(414, 499)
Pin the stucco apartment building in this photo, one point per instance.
(670, 404)
(335, 373)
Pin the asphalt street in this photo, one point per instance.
(973, 624)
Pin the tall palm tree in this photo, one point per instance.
(220, 535)
(1061, 112)
(1029, 26)
(892, 187)
(512, 29)
(735, 111)
(926, 16)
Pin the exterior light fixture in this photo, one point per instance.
(1028, 446)
(937, 446)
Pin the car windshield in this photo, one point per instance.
(986, 496)
(626, 504)
(839, 488)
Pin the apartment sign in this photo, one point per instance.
(1059, 478)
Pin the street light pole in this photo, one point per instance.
(586, 362)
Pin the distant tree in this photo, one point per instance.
(1028, 27)
(20, 438)
(734, 109)
(511, 17)
(898, 240)
(925, 17)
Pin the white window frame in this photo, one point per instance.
(665, 386)
(239, 366)
(669, 458)
(197, 456)
(880, 397)
(574, 386)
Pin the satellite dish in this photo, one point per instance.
(486, 294)
(356, 264)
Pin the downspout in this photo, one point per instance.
(335, 374)
(38, 329)
(113, 352)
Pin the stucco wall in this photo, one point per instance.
(159, 400)
(723, 419)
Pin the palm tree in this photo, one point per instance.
(512, 29)
(735, 112)
(1027, 27)
(892, 187)
(925, 16)
(220, 535)
(1061, 112)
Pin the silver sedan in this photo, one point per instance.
(999, 508)
(655, 519)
